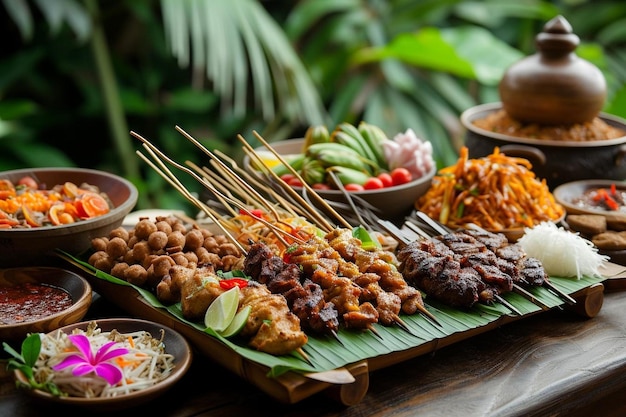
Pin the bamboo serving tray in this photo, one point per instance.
(347, 384)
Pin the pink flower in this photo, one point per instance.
(85, 362)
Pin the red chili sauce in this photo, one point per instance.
(31, 301)
(609, 199)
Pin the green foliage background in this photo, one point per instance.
(77, 76)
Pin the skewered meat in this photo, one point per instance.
(363, 284)
(305, 299)
(440, 276)
(271, 326)
(466, 267)
(379, 262)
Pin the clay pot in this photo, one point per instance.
(553, 86)
(557, 161)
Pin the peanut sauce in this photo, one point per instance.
(31, 301)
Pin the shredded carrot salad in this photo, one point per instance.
(496, 192)
(27, 204)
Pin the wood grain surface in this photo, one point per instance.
(557, 364)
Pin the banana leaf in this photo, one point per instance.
(326, 354)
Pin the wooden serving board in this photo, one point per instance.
(348, 384)
(615, 276)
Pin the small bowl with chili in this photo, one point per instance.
(40, 299)
(596, 196)
(44, 209)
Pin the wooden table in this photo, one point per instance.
(554, 363)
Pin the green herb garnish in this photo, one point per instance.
(26, 360)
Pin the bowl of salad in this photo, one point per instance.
(102, 365)
(45, 209)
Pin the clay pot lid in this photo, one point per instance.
(553, 86)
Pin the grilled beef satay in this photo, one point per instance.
(440, 276)
(530, 270)
(488, 256)
(305, 299)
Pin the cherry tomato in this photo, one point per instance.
(400, 176)
(29, 182)
(373, 183)
(287, 177)
(320, 186)
(295, 182)
(353, 187)
(385, 177)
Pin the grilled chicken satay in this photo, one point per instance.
(321, 264)
(271, 326)
(378, 262)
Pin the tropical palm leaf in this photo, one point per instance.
(243, 50)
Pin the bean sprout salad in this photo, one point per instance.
(84, 370)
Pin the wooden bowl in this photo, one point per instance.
(77, 286)
(392, 202)
(35, 246)
(175, 344)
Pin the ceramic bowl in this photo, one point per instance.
(175, 344)
(391, 203)
(566, 195)
(35, 246)
(77, 286)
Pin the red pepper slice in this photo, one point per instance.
(610, 202)
(613, 189)
(227, 284)
(258, 213)
(600, 195)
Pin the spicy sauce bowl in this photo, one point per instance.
(39, 315)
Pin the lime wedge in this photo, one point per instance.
(222, 310)
(238, 323)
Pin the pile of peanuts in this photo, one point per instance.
(144, 254)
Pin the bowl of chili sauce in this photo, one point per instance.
(40, 299)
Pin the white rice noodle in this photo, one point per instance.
(562, 253)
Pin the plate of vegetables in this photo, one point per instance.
(386, 173)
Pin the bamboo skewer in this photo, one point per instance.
(304, 184)
(521, 291)
(259, 186)
(508, 305)
(304, 356)
(349, 199)
(176, 184)
(320, 220)
(300, 206)
(276, 230)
